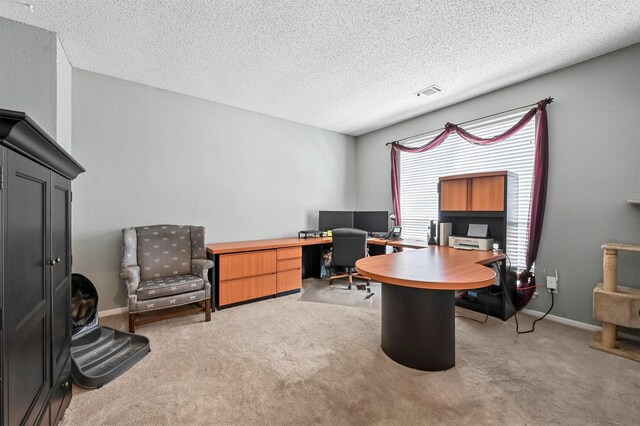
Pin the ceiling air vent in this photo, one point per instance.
(431, 90)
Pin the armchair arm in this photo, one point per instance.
(131, 276)
(200, 267)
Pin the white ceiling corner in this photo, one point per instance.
(348, 66)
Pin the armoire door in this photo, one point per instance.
(60, 273)
(3, 371)
(26, 288)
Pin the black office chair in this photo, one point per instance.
(349, 245)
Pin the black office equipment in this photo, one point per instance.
(309, 233)
(433, 233)
(394, 234)
(328, 220)
(376, 223)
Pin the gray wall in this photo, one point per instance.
(154, 156)
(253, 176)
(594, 137)
(28, 72)
(63, 98)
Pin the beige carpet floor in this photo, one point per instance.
(295, 361)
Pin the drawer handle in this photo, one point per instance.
(65, 385)
(55, 261)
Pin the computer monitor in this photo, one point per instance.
(328, 220)
(376, 221)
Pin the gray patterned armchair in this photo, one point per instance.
(165, 266)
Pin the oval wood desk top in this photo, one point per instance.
(437, 268)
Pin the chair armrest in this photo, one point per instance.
(131, 276)
(200, 267)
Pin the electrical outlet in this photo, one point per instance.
(552, 283)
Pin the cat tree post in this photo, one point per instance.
(616, 305)
(610, 283)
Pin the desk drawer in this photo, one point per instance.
(246, 289)
(289, 264)
(289, 253)
(289, 280)
(241, 265)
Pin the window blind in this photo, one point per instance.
(419, 173)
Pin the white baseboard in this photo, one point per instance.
(115, 311)
(577, 324)
(561, 320)
(554, 318)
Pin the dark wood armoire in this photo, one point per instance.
(35, 272)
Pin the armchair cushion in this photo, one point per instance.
(164, 251)
(160, 287)
(169, 301)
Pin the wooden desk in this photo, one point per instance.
(247, 270)
(418, 323)
(406, 243)
(243, 246)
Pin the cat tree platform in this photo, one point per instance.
(616, 306)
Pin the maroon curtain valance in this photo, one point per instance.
(526, 279)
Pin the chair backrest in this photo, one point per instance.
(349, 245)
(163, 250)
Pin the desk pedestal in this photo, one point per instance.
(418, 327)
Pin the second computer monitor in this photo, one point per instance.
(328, 220)
(376, 221)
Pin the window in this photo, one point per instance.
(419, 173)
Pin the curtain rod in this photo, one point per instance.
(548, 100)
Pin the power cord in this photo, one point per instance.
(486, 315)
(515, 314)
(506, 292)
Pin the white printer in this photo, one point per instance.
(471, 243)
(476, 239)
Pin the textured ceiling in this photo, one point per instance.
(351, 66)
